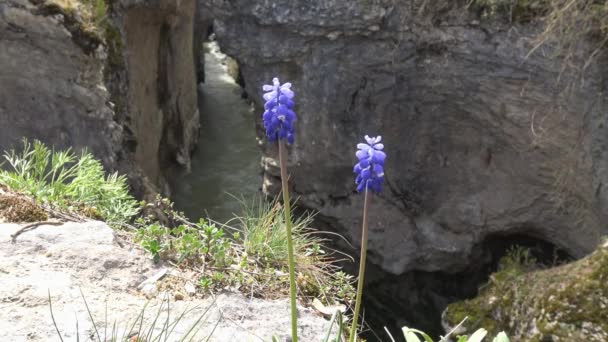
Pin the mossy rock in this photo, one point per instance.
(564, 303)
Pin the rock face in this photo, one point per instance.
(161, 98)
(88, 257)
(53, 84)
(482, 142)
(128, 94)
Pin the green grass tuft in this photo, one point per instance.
(65, 180)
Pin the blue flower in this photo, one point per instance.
(278, 117)
(370, 168)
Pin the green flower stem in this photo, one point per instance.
(353, 329)
(292, 275)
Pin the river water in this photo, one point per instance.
(226, 163)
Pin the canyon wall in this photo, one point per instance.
(126, 89)
(484, 140)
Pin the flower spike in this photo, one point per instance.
(369, 170)
(278, 115)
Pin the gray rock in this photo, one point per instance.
(87, 257)
(52, 89)
(481, 141)
(129, 96)
(161, 91)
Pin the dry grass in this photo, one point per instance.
(18, 208)
(90, 14)
(570, 25)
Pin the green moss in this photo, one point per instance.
(562, 303)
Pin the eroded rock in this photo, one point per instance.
(482, 140)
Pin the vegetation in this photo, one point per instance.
(566, 23)
(512, 10)
(90, 15)
(16, 208)
(570, 22)
(64, 180)
(250, 256)
(140, 328)
(561, 303)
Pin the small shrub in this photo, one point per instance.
(195, 243)
(62, 179)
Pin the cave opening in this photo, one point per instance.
(418, 298)
(225, 166)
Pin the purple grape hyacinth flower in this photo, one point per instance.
(370, 168)
(278, 115)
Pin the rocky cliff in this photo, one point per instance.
(483, 141)
(122, 84)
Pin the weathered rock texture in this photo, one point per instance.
(128, 94)
(481, 141)
(161, 97)
(88, 257)
(53, 84)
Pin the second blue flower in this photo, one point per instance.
(370, 168)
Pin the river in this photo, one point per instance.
(226, 163)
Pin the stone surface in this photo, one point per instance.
(52, 89)
(161, 97)
(88, 257)
(482, 141)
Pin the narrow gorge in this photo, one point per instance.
(495, 130)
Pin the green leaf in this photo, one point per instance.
(501, 337)
(478, 335)
(410, 335)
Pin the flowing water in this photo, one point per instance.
(226, 163)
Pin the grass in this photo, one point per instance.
(520, 11)
(92, 15)
(68, 181)
(261, 225)
(570, 22)
(139, 328)
(567, 24)
(251, 255)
